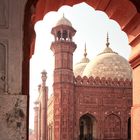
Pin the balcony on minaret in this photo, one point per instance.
(63, 45)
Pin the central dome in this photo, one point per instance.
(108, 64)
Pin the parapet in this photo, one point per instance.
(102, 82)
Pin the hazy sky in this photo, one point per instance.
(91, 26)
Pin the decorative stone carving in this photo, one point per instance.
(102, 82)
(13, 117)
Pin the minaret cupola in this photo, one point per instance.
(63, 31)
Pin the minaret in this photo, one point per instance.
(44, 99)
(63, 48)
(41, 118)
(36, 120)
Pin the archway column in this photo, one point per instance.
(135, 111)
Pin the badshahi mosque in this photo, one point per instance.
(91, 100)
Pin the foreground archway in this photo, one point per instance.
(130, 23)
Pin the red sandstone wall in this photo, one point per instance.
(100, 102)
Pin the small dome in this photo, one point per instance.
(79, 67)
(108, 64)
(64, 21)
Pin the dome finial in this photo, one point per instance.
(107, 48)
(85, 51)
(107, 39)
(63, 15)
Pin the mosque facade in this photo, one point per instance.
(90, 101)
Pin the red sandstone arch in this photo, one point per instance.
(125, 12)
(116, 9)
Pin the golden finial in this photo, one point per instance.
(107, 43)
(85, 51)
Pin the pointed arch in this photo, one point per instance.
(87, 127)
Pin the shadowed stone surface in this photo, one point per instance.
(13, 117)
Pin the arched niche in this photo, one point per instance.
(112, 127)
(87, 127)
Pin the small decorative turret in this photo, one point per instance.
(44, 77)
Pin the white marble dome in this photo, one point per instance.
(64, 21)
(79, 67)
(108, 64)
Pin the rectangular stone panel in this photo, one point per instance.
(4, 13)
(13, 117)
(88, 99)
(112, 101)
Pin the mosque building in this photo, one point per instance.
(91, 100)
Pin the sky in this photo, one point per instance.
(91, 26)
